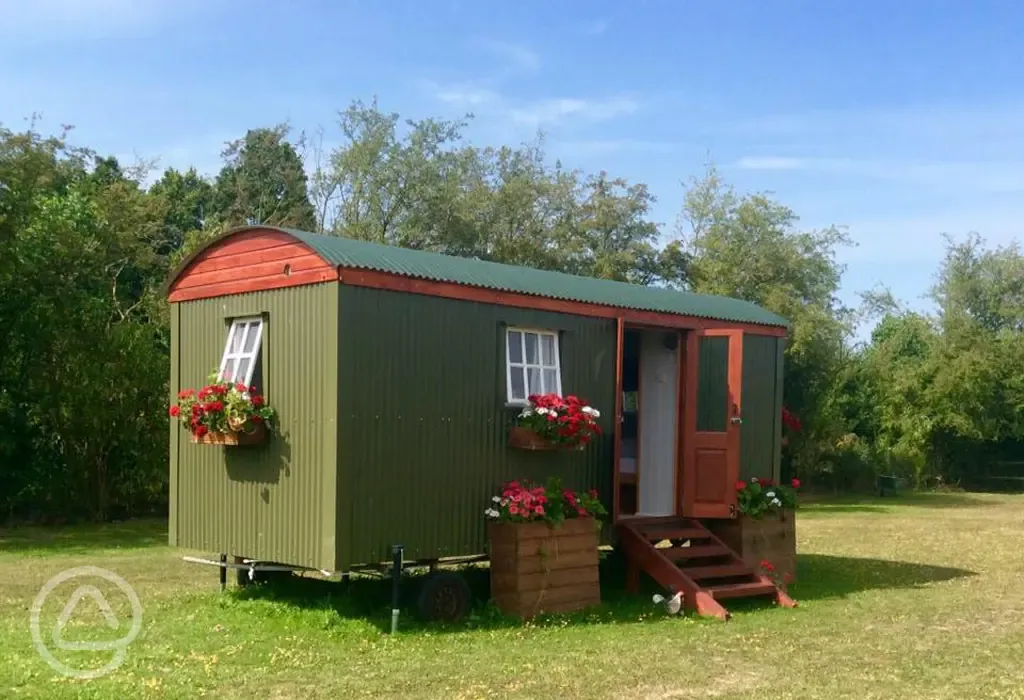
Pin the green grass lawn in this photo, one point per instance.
(920, 597)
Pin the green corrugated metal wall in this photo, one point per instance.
(759, 436)
(423, 423)
(275, 502)
(713, 384)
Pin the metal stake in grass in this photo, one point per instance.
(397, 552)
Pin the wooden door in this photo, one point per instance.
(713, 415)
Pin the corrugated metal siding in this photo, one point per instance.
(758, 437)
(175, 428)
(423, 422)
(780, 355)
(713, 384)
(276, 501)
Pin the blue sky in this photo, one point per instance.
(898, 120)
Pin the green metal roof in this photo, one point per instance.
(419, 264)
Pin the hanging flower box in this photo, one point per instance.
(552, 422)
(222, 413)
(257, 435)
(525, 439)
(543, 547)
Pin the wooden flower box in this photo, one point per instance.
(537, 568)
(771, 538)
(257, 436)
(525, 439)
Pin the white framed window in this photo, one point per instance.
(242, 351)
(531, 363)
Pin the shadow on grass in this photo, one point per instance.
(821, 504)
(369, 599)
(821, 576)
(74, 539)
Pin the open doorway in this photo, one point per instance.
(649, 449)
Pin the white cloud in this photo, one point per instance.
(531, 113)
(595, 28)
(771, 163)
(553, 111)
(464, 96)
(517, 55)
(983, 176)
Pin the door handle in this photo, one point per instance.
(736, 420)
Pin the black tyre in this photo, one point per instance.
(259, 577)
(444, 597)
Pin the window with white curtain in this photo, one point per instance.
(532, 363)
(242, 351)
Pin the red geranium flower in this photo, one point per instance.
(201, 430)
(740, 485)
(257, 400)
(174, 411)
(796, 483)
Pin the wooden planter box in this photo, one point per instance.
(773, 537)
(538, 569)
(257, 437)
(525, 439)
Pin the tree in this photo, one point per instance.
(616, 240)
(263, 181)
(78, 393)
(379, 183)
(748, 246)
(189, 199)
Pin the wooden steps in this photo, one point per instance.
(697, 563)
(741, 590)
(701, 573)
(699, 551)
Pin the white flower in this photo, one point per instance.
(491, 513)
(527, 412)
(753, 479)
(776, 502)
(591, 411)
(542, 411)
(496, 499)
(770, 494)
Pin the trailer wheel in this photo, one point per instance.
(444, 597)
